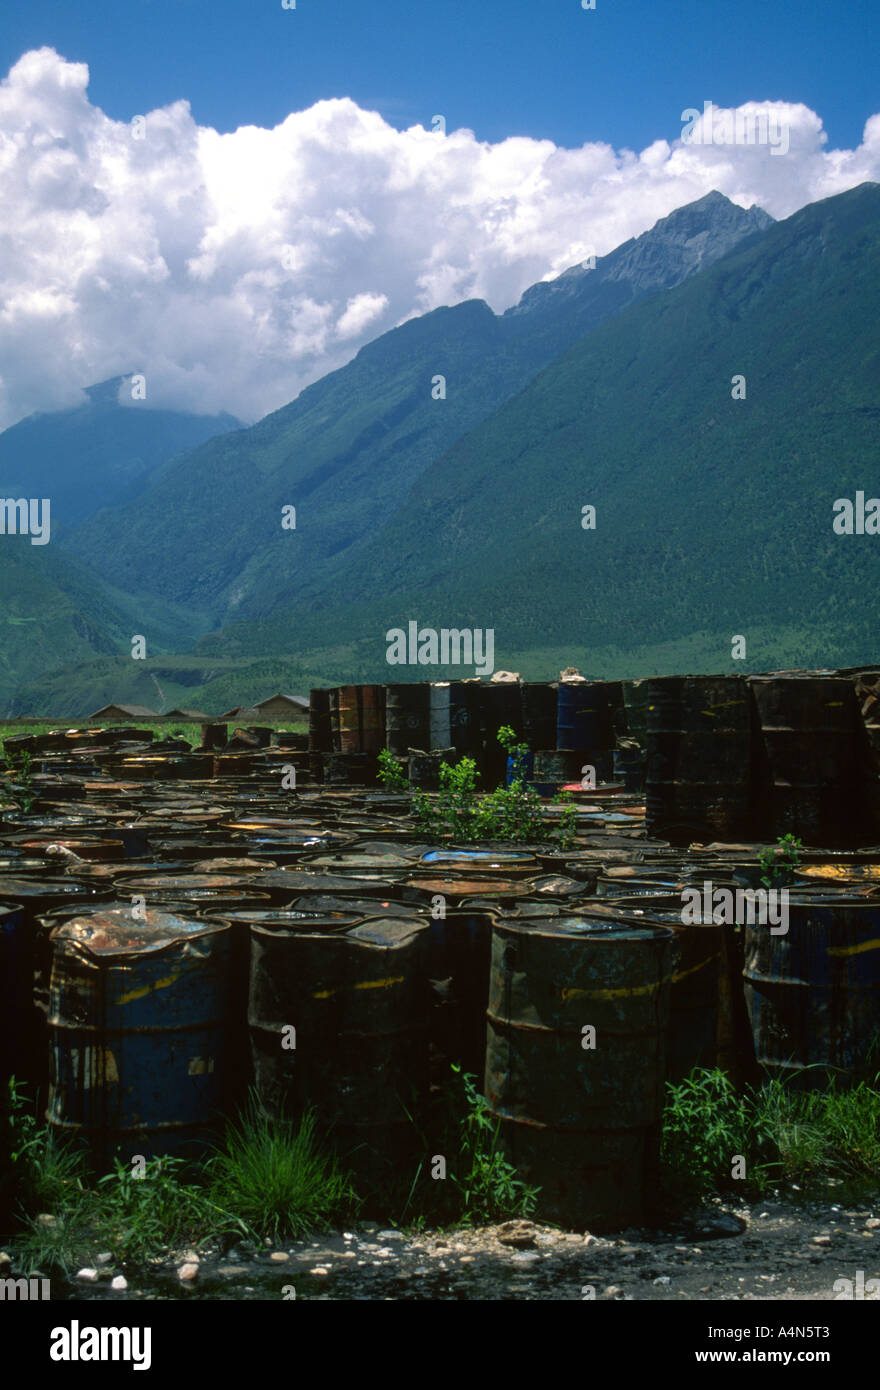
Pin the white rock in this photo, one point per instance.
(87, 1276)
(279, 1256)
(105, 1258)
(188, 1273)
(119, 1283)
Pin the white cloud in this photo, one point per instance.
(232, 270)
(360, 312)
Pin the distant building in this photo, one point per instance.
(124, 712)
(188, 714)
(275, 707)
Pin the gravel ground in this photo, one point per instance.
(775, 1250)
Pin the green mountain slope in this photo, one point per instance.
(347, 452)
(714, 515)
(55, 611)
(98, 454)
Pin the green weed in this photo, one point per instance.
(277, 1178)
(391, 774)
(783, 1134)
(781, 861)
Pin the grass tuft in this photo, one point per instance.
(277, 1178)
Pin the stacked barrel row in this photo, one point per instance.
(566, 725)
(757, 758)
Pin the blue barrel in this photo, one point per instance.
(813, 992)
(138, 1012)
(580, 714)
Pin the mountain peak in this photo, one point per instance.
(678, 245)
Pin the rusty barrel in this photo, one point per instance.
(698, 782)
(809, 777)
(698, 1024)
(338, 1020)
(407, 717)
(335, 733)
(349, 702)
(581, 1122)
(214, 735)
(372, 718)
(813, 992)
(636, 699)
(137, 1018)
(319, 722)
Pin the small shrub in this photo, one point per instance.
(780, 864)
(391, 774)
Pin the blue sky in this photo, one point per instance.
(542, 68)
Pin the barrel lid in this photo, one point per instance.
(189, 881)
(483, 859)
(471, 887)
(266, 916)
(584, 925)
(324, 902)
(44, 888)
(387, 931)
(220, 866)
(116, 932)
(558, 885)
(840, 871)
(300, 882)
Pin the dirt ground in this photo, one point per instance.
(772, 1250)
